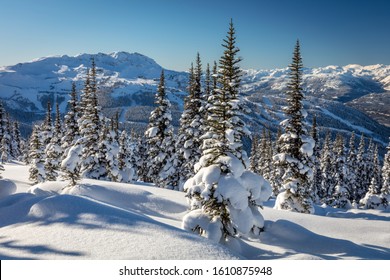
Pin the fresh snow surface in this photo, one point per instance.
(105, 220)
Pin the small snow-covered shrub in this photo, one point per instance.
(226, 204)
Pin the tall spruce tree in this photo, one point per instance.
(351, 166)
(82, 158)
(159, 137)
(224, 197)
(89, 126)
(297, 146)
(327, 171)
(126, 158)
(340, 194)
(361, 175)
(53, 150)
(37, 170)
(188, 144)
(317, 177)
(71, 130)
(255, 155)
(385, 190)
(16, 141)
(6, 141)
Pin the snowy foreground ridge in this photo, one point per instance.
(105, 220)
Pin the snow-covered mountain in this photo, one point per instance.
(350, 84)
(128, 83)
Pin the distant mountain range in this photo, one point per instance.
(345, 99)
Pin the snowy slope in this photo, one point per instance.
(105, 220)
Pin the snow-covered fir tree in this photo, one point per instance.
(102, 171)
(37, 170)
(47, 126)
(71, 165)
(263, 154)
(141, 153)
(376, 169)
(369, 163)
(255, 155)
(372, 199)
(125, 158)
(159, 139)
(277, 172)
(17, 142)
(71, 129)
(341, 194)
(112, 144)
(54, 150)
(351, 165)
(89, 127)
(297, 147)
(1, 170)
(327, 171)
(2, 121)
(5, 148)
(317, 176)
(188, 144)
(224, 197)
(385, 190)
(82, 160)
(269, 153)
(361, 171)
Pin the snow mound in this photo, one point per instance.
(301, 241)
(7, 187)
(125, 196)
(78, 226)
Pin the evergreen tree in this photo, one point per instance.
(188, 145)
(71, 164)
(317, 176)
(351, 166)
(369, 164)
(82, 158)
(103, 171)
(340, 195)
(71, 131)
(1, 169)
(53, 150)
(37, 171)
(376, 170)
(327, 171)
(268, 168)
(125, 159)
(361, 171)
(6, 149)
(264, 151)
(47, 126)
(297, 147)
(89, 127)
(224, 197)
(372, 198)
(385, 190)
(16, 141)
(278, 171)
(159, 137)
(2, 121)
(255, 155)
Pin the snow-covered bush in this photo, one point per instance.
(225, 205)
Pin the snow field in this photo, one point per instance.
(105, 220)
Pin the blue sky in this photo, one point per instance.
(332, 32)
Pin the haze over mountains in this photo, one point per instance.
(345, 99)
